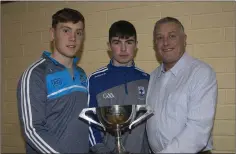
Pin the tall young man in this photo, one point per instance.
(119, 83)
(53, 91)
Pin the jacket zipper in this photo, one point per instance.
(126, 88)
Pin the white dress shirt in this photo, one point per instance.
(184, 100)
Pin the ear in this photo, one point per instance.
(52, 32)
(185, 40)
(136, 45)
(109, 52)
(109, 46)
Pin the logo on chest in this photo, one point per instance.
(56, 82)
(141, 92)
(108, 95)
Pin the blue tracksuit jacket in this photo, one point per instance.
(113, 85)
(49, 102)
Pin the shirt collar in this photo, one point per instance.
(161, 71)
(182, 62)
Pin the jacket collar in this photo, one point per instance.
(120, 68)
(47, 55)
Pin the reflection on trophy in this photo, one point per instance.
(116, 118)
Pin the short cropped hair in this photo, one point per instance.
(67, 15)
(168, 20)
(122, 29)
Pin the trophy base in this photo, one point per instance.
(118, 152)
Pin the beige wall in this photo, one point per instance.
(210, 27)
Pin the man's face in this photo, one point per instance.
(170, 42)
(68, 38)
(123, 50)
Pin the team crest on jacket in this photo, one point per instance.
(141, 90)
(56, 82)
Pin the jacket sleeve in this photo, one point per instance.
(201, 111)
(31, 99)
(95, 136)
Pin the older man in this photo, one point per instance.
(183, 93)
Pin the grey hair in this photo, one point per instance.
(168, 20)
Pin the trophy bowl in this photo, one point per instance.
(116, 118)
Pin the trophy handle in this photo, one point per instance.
(89, 119)
(141, 107)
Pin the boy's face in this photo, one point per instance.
(68, 38)
(123, 50)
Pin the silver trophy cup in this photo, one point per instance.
(116, 118)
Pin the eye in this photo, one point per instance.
(116, 42)
(130, 42)
(172, 36)
(65, 30)
(80, 33)
(159, 38)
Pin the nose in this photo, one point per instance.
(123, 47)
(72, 37)
(166, 41)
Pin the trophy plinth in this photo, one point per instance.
(116, 118)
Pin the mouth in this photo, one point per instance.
(167, 49)
(71, 46)
(124, 55)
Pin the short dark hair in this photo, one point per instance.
(122, 29)
(67, 15)
(167, 20)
